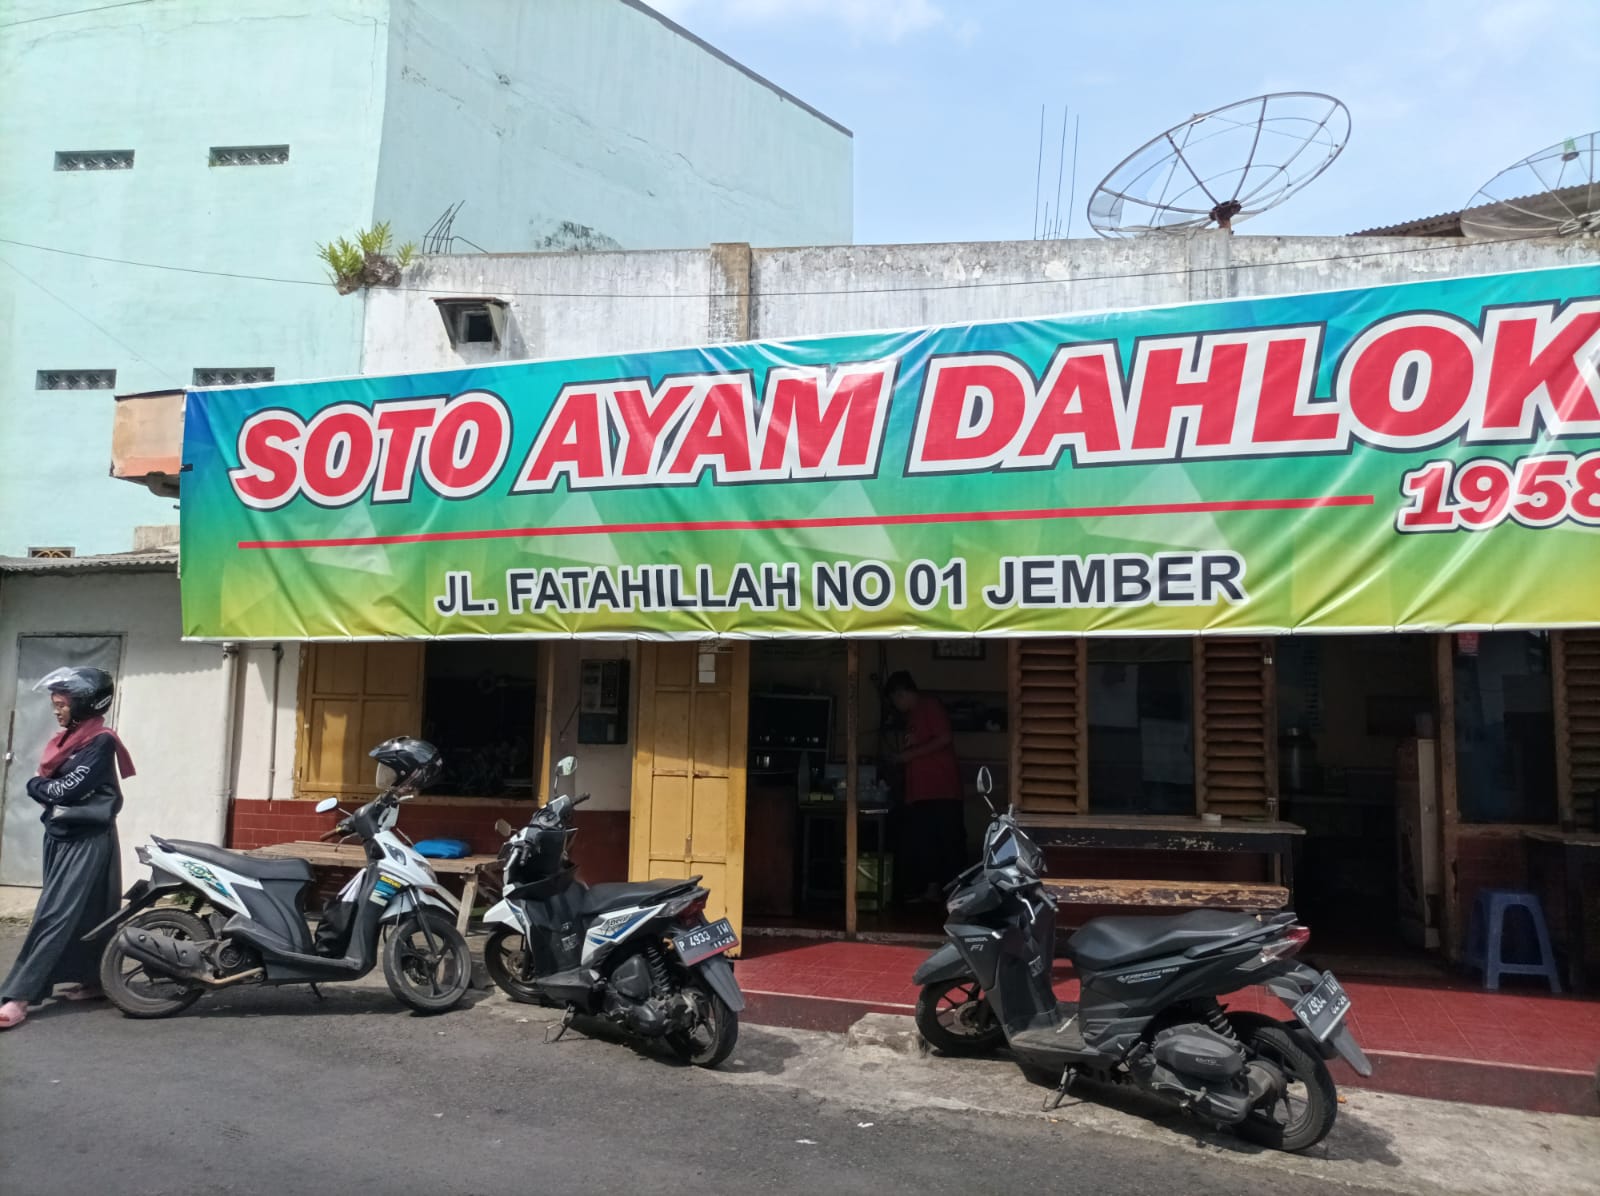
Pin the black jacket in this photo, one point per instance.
(85, 797)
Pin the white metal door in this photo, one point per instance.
(32, 724)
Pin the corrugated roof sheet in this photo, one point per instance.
(161, 560)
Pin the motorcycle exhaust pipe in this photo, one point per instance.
(178, 959)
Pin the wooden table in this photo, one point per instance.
(1579, 850)
(1160, 832)
(352, 855)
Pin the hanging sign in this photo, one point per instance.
(1420, 456)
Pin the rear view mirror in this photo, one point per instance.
(985, 781)
(566, 766)
(327, 804)
(504, 829)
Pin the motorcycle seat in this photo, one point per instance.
(1107, 942)
(623, 894)
(255, 867)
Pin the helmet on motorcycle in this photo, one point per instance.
(88, 691)
(406, 765)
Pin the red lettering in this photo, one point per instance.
(402, 430)
(644, 424)
(801, 428)
(1160, 392)
(1285, 378)
(972, 410)
(1408, 383)
(268, 473)
(339, 456)
(1079, 407)
(719, 433)
(1522, 372)
(572, 442)
(468, 447)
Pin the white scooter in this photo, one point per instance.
(242, 917)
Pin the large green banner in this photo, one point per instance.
(1418, 456)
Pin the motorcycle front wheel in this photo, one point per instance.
(712, 1040)
(1304, 1114)
(427, 963)
(505, 956)
(141, 993)
(956, 1019)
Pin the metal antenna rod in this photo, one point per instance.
(1072, 201)
(1038, 174)
(1061, 157)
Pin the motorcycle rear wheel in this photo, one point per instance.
(1306, 1113)
(956, 1019)
(713, 1040)
(137, 992)
(504, 956)
(428, 979)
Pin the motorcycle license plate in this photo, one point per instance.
(1323, 1008)
(705, 941)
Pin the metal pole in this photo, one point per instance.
(852, 796)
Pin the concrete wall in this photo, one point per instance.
(170, 694)
(577, 305)
(169, 80)
(602, 125)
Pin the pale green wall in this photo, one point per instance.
(600, 114)
(169, 80)
(392, 109)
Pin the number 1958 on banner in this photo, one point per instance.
(1476, 495)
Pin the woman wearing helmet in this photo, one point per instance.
(78, 788)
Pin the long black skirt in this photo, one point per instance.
(82, 888)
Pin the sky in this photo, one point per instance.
(944, 95)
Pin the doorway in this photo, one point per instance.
(798, 848)
(32, 724)
(1356, 720)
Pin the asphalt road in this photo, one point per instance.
(270, 1091)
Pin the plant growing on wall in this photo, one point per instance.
(368, 261)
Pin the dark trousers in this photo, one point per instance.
(931, 846)
(82, 888)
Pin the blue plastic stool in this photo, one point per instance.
(1486, 941)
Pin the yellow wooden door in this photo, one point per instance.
(689, 771)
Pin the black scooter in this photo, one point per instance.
(640, 954)
(1148, 1013)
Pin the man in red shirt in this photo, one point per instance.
(933, 842)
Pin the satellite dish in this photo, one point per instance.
(1555, 192)
(1222, 166)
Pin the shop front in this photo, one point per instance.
(1241, 602)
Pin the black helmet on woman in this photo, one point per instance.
(88, 691)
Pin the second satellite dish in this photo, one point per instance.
(1223, 166)
(1555, 192)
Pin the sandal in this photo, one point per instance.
(12, 1013)
(81, 992)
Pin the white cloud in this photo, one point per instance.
(888, 20)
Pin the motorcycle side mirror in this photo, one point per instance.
(504, 829)
(327, 805)
(566, 766)
(986, 786)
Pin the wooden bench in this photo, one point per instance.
(1171, 894)
(352, 855)
(1170, 833)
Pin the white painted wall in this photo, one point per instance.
(264, 762)
(170, 694)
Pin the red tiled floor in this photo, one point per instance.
(1454, 1026)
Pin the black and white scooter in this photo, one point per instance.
(1148, 1013)
(240, 919)
(641, 954)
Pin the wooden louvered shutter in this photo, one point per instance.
(1575, 663)
(1050, 726)
(1235, 727)
(353, 697)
